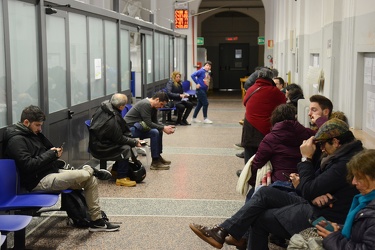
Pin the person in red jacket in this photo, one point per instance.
(260, 100)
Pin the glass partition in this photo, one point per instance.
(56, 62)
(125, 60)
(149, 53)
(111, 67)
(23, 56)
(3, 101)
(96, 41)
(78, 58)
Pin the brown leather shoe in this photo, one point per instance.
(164, 161)
(215, 236)
(240, 244)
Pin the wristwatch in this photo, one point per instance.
(306, 159)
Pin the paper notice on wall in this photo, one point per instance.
(368, 70)
(313, 76)
(370, 114)
(98, 68)
(149, 69)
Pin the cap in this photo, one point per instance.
(331, 129)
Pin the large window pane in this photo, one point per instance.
(78, 58)
(96, 57)
(23, 56)
(166, 57)
(157, 56)
(56, 61)
(3, 105)
(111, 67)
(149, 53)
(125, 60)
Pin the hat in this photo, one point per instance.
(331, 129)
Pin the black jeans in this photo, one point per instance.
(258, 214)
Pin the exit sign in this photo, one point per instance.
(260, 40)
(200, 40)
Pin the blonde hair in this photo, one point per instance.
(173, 77)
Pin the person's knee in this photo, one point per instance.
(154, 132)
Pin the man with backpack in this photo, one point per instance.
(110, 138)
(40, 169)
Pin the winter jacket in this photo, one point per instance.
(362, 236)
(174, 91)
(109, 134)
(32, 154)
(261, 104)
(330, 178)
(281, 147)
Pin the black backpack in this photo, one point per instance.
(74, 203)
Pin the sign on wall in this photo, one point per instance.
(260, 40)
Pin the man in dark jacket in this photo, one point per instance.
(272, 211)
(40, 170)
(110, 137)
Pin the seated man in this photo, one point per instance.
(110, 137)
(143, 123)
(40, 170)
(276, 212)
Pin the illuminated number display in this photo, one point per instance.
(181, 19)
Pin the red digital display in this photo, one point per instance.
(181, 19)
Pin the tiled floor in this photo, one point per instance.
(199, 187)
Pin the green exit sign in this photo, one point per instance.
(200, 40)
(260, 40)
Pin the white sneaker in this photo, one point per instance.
(195, 120)
(207, 121)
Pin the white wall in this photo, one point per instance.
(340, 31)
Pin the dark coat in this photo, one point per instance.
(32, 154)
(110, 137)
(281, 147)
(363, 232)
(174, 91)
(331, 178)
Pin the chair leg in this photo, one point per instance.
(4, 246)
(164, 115)
(20, 239)
(103, 164)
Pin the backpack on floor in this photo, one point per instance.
(74, 203)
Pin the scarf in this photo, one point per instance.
(359, 201)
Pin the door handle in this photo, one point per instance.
(70, 114)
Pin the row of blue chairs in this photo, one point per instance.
(13, 202)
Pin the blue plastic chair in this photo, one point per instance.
(126, 109)
(16, 224)
(9, 197)
(186, 88)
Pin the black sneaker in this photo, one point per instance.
(102, 174)
(101, 225)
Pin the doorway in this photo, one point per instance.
(233, 64)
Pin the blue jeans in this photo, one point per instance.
(202, 102)
(258, 215)
(156, 139)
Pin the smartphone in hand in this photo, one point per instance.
(62, 145)
(287, 176)
(327, 226)
(143, 143)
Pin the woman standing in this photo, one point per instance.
(176, 93)
(358, 232)
(260, 100)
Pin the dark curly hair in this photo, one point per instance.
(283, 112)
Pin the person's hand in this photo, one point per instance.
(294, 179)
(308, 148)
(138, 144)
(197, 86)
(324, 232)
(182, 96)
(314, 117)
(169, 129)
(322, 200)
(58, 150)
